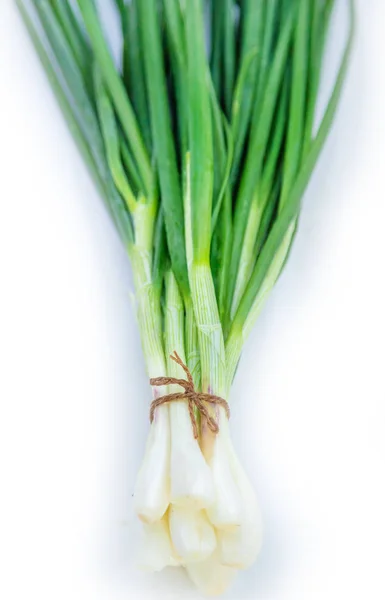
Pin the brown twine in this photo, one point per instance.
(193, 398)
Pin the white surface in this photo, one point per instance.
(308, 416)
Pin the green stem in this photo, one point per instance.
(147, 292)
(238, 335)
(210, 335)
(174, 337)
(247, 259)
(234, 345)
(192, 344)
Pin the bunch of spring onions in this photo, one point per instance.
(201, 139)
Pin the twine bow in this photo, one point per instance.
(194, 399)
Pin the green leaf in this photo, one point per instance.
(319, 27)
(252, 30)
(297, 115)
(259, 138)
(267, 48)
(162, 135)
(161, 260)
(223, 182)
(117, 93)
(176, 45)
(62, 98)
(130, 166)
(229, 55)
(291, 208)
(78, 109)
(216, 46)
(110, 134)
(200, 139)
(75, 37)
(135, 77)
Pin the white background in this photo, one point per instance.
(309, 400)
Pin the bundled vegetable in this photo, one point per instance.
(202, 157)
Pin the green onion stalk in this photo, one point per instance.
(202, 147)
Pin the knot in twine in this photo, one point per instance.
(193, 398)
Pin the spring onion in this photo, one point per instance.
(201, 139)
